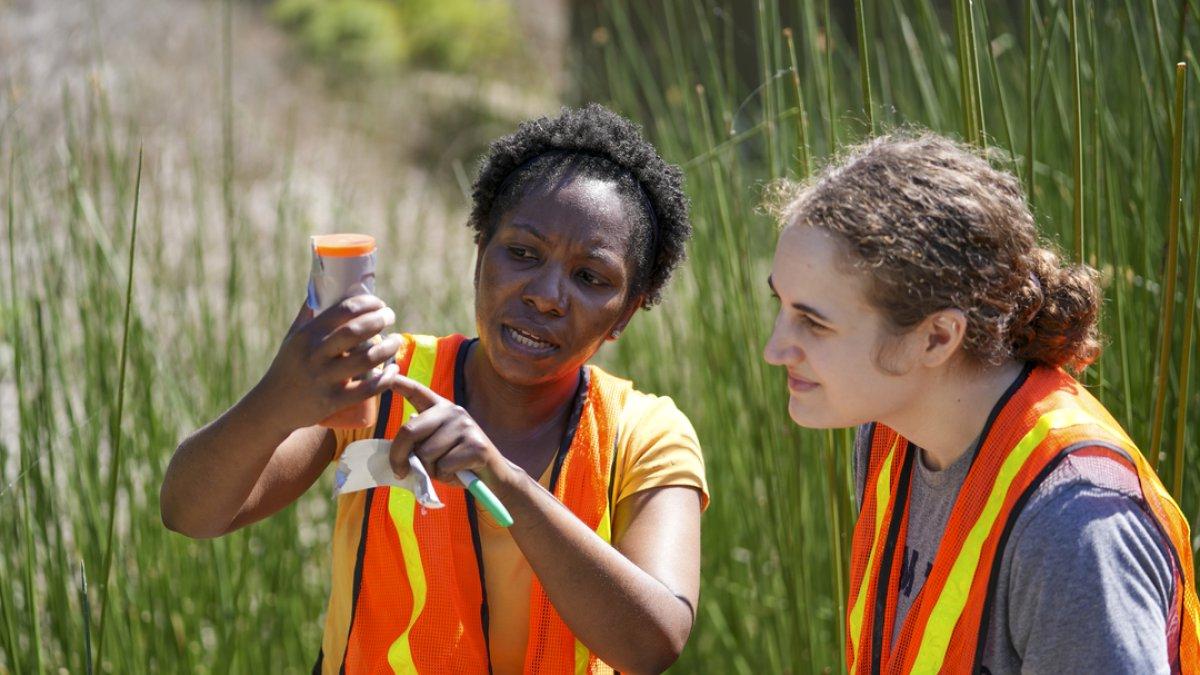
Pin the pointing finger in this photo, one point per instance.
(423, 398)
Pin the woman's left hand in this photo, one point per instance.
(444, 437)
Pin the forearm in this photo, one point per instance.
(599, 592)
(214, 470)
(266, 450)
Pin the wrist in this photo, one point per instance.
(505, 478)
(268, 411)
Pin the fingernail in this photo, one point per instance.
(389, 317)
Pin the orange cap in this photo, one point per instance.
(343, 245)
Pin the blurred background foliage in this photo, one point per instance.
(478, 36)
(236, 128)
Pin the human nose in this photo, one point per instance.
(779, 350)
(545, 293)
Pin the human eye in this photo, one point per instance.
(813, 325)
(590, 278)
(521, 252)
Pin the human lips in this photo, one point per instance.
(528, 339)
(798, 384)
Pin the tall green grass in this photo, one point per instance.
(1076, 98)
(92, 580)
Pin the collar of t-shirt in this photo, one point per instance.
(930, 502)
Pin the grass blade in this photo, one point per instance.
(1030, 108)
(1162, 375)
(976, 87)
(994, 73)
(802, 117)
(968, 79)
(1077, 153)
(27, 461)
(864, 61)
(115, 466)
(1185, 362)
(86, 611)
(830, 97)
(770, 106)
(838, 569)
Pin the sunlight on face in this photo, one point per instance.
(827, 334)
(553, 280)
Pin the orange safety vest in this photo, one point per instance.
(1045, 416)
(408, 592)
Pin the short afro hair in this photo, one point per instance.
(595, 142)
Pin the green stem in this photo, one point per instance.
(976, 86)
(115, 466)
(864, 63)
(994, 71)
(802, 121)
(966, 78)
(830, 98)
(1030, 108)
(1185, 363)
(86, 611)
(1120, 286)
(1077, 154)
(768, 89)
(835, 532)
(1162, 373)
(31, 604)
(234, 333)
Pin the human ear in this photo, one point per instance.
(942, 335)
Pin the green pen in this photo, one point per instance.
(485, 495)
(478, 488)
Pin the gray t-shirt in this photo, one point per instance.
(1085, 580)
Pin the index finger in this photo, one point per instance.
(421, 397)
(344, 311)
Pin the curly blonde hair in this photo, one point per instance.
(937, 226)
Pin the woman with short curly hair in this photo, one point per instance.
(1007, 523)
(578, 224)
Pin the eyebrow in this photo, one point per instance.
(530, 229)
(799, 306)
(601, 257)
(595, 251)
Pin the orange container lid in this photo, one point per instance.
(343, 245)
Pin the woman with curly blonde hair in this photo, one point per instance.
(1007, 522)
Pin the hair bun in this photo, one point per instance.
(1061, 306)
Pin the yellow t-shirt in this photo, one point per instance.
(657, 447)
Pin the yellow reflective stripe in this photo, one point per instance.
(401, 508)
(883, 496)
(583, 658)
(604, 529)
(420, 368)
(401, 505)
(953, 598)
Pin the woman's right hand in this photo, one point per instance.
(313, 374)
